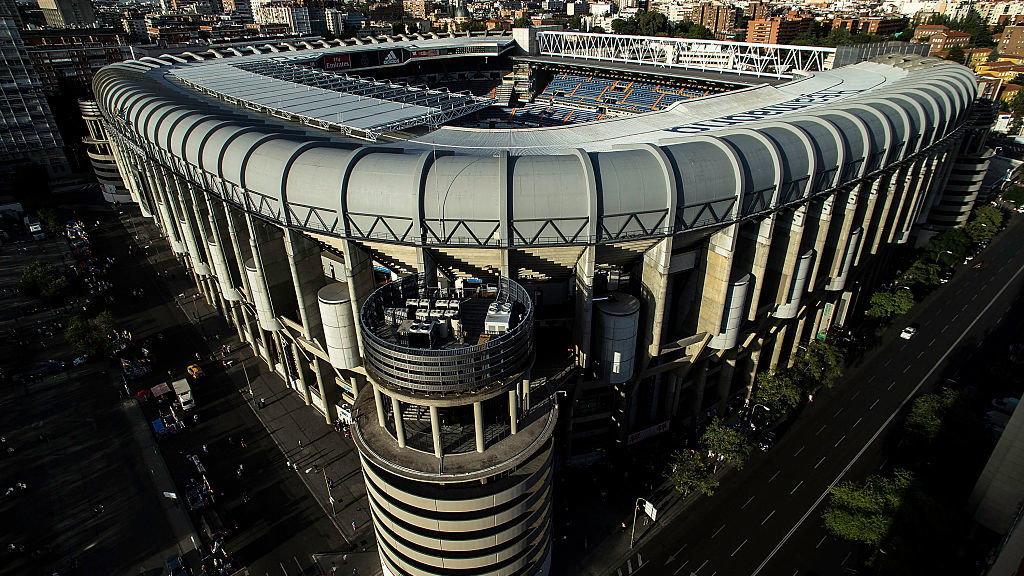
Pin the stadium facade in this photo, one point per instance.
(628, 274)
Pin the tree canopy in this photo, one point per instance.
(690, 471)
(91, 335)
(891, 303)
(819, 365)
(864, 511)
(928, 414)
(724, 445)
(44, 280)
(777, 391)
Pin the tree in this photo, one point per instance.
(819, 365)
(472, 26)
(864, 511)
(956, 54)
(1015, 126)
(989, 215)
(993, 56)
(575, 23)
(43, 280)
(724, 445)
(891, 304)
(928, 414)
(1014, 194)
(522, 22)
(777, 391)
(1017, 103)
(949, 248)
(922, 272)
(690, 472)
(91, 335)
(48, 218)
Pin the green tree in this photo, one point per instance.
(91, 335)
(1017, 103)
(891, 304)
(1015, 126)
(44, 280)
(993, 56)
(949, 248)
(575, 23)
(928, 414)
(724, 445)
(922, 272)
(864, 511)
(777, 391)
(1014, 194)
(522, 22)
(48, 218)
(690, 472)
(989, 215)
(472, 26)
(819, 365)
(956, 54)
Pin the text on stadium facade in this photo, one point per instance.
(800, 103)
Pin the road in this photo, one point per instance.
(765, 520)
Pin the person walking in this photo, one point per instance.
(263, 404)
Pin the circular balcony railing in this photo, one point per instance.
(447, 365)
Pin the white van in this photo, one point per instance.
(184, 392)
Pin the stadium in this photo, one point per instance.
(467, 246)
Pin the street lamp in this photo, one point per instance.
(937, 254)
(649, 509)
(329, 495)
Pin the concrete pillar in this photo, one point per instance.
(328, 386)
(583, 320)
(796, 340)
(780, 338)
(655, 289)
(513, 411)
(478, 424)
(378, 400)
(870, 200)
(426, 265)
(304, 262)
(435, 432)
(238, 236)
(755, 359)
(762, 246)
(396, 411)
(300, 367)
(725, 376)
(824, 218)
(700, 381)
(717, 277)
(359, 272)
(887, 189)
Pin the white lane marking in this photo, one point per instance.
(746, 503)
(819, 462)
(857, 393)
(720, 528)
(820, 429)
(768, 517)
(845, 558)
(840, 411)
(683, 565)
(840, 441)
(701, 566)
(889, 361)
(820, 542)
(884, 425)
(873, 404)
(855, 423)
(930, 344)
(921, 353)
(774, 475)
(907, 367)
(797, 487)
(890, 386)
(944, 328)
(955, 316)
(738, 548)
(799, 451)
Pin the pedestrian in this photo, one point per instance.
(354, 526)
(199, 357)
(330, 483)
(205, 450)
(242, 443)
(231, 439)
(263, 404)
(300, 444)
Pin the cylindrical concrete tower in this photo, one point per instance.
(456, 444)
(104, 166)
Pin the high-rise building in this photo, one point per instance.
(28, 132)
(417, 8)
(101, 156)
(72, 56)
(294, 15)
(778, 30)
(719, 18)
(67, 13)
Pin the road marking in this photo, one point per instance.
(855, 423)
(819, 462)
(921, 353)
(795, 488)
(766, 518)
(629, 566)
(840, 411)
(930, 344)
(773, 476)
(873, 404)
(720, 528)
(681, 566)
(944, 328)
(820, 542)
(890, 386)
(701, 566)
(872, 379)
(836, 445)
(738, 548)
(799, 451)
(884, 425)
(820, 429)
(747, 502)
(955, 316)
(889, 361)
(845, 558)
(975, 297)
(907, 367)
(857, 393)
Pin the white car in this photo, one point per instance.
(908, 332)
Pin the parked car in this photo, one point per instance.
(1006, 405)
(908, 332)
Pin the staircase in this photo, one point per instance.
(503, 94)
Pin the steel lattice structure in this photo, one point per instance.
(775, 60)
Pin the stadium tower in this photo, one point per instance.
(455, 440)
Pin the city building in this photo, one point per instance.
(417, 8)
(776, 30)
(28, 131)
(925, 31)
(72, 55)
(296, 16)
(719, 18)
(875, 25)
(457, 293)
(67, 13)
(943, 42)
(1011, 42)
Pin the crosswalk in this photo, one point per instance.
(633, 564)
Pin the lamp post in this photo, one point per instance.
(650, 510)
(937, 254)
(330, 496)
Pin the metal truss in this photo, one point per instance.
(773, 60)
(446, 105)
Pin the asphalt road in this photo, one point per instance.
(765, 519)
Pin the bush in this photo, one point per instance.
(43, 280)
